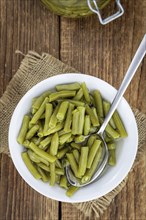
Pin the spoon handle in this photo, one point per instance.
(139, 55)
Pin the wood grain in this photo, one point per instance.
(102, 51)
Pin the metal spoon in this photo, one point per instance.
(139, 55)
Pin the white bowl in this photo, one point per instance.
(126, 148)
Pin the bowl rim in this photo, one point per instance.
(65, 75)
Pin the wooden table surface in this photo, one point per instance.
(102, 51)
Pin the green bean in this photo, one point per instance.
(30, 125)
(81, 119)
(111, 146)
(32, 132)
(93, 118)
(98, 103)
(62, 94)
(30, 165)
(70, 139)
(58, 171)
(111, 132)
(58, 164)
(62, 132)
(62, 111)
(91, 140)
(68, 121)
(54, 144)
(75, 145)
(52, 174)
(45, 142)
(36, 105)
(71, 86)
(76, 155)
(63, 139)
(41, 128)
(85, 92)
(75, 102)
(39, 112)
(71, 190)
(36, 140)
(112, 157)
(92, 152)
(63, 182)
(73, 163)
(41, 153)
(26, 143)
(48, 113)
(37, 159)
(42, 116)
(119, 125)
(79, 95)
(83, 160)
(53, 119)
(87, 125)
(89, 173)
(79, 139)
(57, 178)
(23, 130)
(106, 107)
(44, 177)
(58, 127)
(75, 121)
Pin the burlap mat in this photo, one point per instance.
(33, 69)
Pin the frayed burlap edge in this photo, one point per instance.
(33, 69)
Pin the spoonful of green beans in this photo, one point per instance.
(87, 179)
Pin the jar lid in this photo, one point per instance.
(112, 17)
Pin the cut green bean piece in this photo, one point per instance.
(45, 142)
(98, 103)
(92, 152)
(75, 122)
(58, 164)
(111, 132)
(58, 127)
(89, 173)
(53, 119)
(91, 140)
(76, 155)
(63, 182)
(36, 140)
(111, 146)
(54, 144)
(93, 118)
(75, 102)
(79, 95)
(71, 190)
(58, 171)
(68, 121)
(30, 165)
(63, 139)
(81, 119)
(62, 111)
(83, 160)
(41, 153)
(37, 159)
(41, 127)
(23, 130)
(75, 145)
(44, 177)
(40, 111)
(87, 125)
(36, 105)
(61, 94)
(73, 163)
(85, 92)
(119, 125)
(70, 86)
(26, 143)
(52, 174)
(106, 107)
(32, 132)
(48, 113)
(79, 139)
(112, 157)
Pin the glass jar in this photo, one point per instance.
(80, 8)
